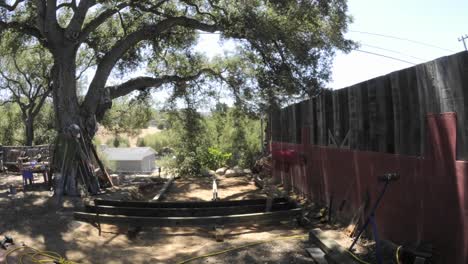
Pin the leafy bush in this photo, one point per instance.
(167, 162)
(233, 131)
(214, 158)
(158, 141)
(118, 142)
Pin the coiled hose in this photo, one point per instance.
(37, 256)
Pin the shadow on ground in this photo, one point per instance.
(35, 219)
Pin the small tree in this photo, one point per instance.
(191, 136)
(24, 75)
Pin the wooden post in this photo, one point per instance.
(215, 190)
(269, 192)
(101, 165)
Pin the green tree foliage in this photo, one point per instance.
(128, 116)
(227, 136)
(236, 132)
(25, 79)
(285, 47)
(11, 132)
(161, 142)
(118, 142)
(12, 126)
(44, 125)
(214, 158)
(192, 143)
(286, 44)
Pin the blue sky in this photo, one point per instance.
(435, 22)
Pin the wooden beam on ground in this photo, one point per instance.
(269, 217)
(317, 255)
(203, 204)
(186, 212)
(334, 252)
(163, 190)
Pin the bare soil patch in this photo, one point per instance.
(35, 219)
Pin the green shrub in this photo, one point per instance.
(158, 141)
(118, 142)
(214, 158)
(141, 142)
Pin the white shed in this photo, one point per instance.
(131, 160)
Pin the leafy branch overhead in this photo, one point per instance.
(284, 46)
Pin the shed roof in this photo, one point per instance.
(128, 153)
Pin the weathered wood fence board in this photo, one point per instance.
(385, 114)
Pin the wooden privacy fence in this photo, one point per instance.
(385, 114)
(412, 122)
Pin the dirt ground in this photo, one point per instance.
(35, 219)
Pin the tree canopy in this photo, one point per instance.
(25, 79)
(285, 46)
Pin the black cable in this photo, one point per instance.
(390, 50)
(385, 56)
(405, 39)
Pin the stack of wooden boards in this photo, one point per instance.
(188, 213)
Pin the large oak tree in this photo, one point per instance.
(286, 45)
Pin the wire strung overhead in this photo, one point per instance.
(385, 56)
(404, 39)
(393, 51)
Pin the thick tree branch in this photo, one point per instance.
(40, 17)
(197, 8)
(74, 27)
(153, 9)
(13, 83)
(41, 102)
(99, 20)
(71, 5)
(51, 11)
(214, 6)
(5, 102)
(142, 83)
(8, 7)
(25, 76)
(121, 47)
(22, 28)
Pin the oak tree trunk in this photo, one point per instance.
(29, 130)
(66, 104)
(72, 153)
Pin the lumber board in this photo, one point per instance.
(201, 204)
(163, 190)
(186, 212)
(317, 254)
(314, 131)
(335, 253)
(373, 134)
(256, 218)
(413, 119)
(354, 116)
